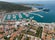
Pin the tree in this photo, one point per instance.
(39, 32)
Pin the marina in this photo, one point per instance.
(20, 16)
(26, 14)
(27, 22)
(38, 15)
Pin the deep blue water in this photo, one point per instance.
(48, 17)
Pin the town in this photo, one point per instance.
(25, 29)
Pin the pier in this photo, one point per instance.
(38, 15)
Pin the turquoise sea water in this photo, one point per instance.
(50, 17)
(47, 17)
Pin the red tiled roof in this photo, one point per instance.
(15, 33)
(1, 35)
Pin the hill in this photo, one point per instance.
(6, 6)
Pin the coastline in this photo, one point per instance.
(28, 11)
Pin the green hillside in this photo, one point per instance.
(13, 7)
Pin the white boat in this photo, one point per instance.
(38, 15)
(26, 14)
(14, 16)
(9, 16)
(20, 16)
